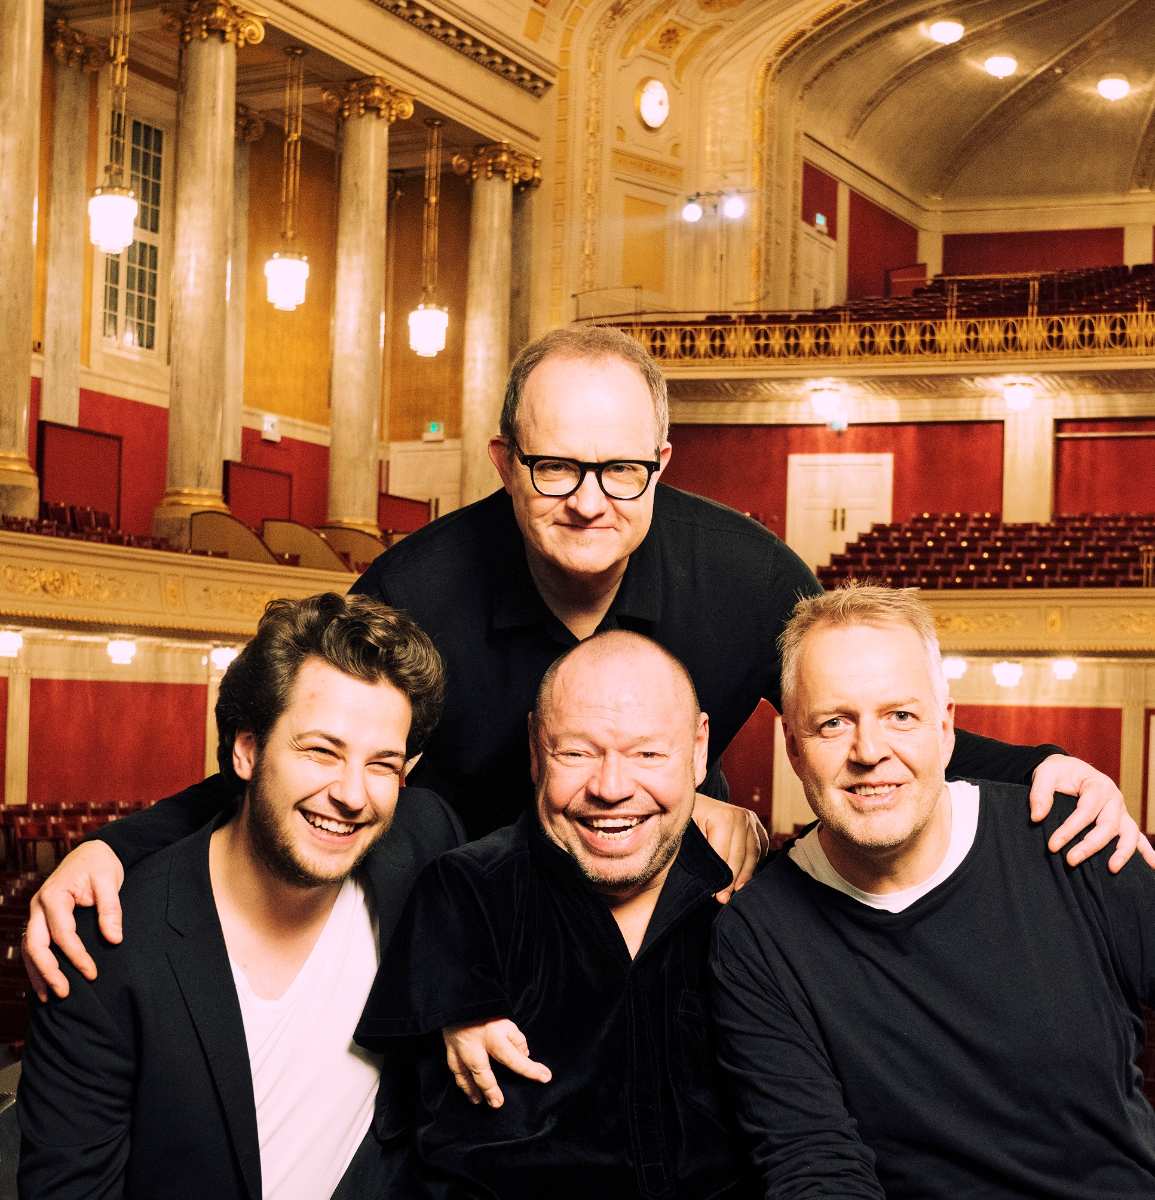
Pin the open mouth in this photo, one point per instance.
(330, 825)
(612, 835)
(874, 789)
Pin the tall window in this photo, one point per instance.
(131, 278)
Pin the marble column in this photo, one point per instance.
(367, 108)
(521, 266)
(494, 170)
(211, 31)
(21, 50)
(249, 127)
(77, 58)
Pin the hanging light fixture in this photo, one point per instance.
(112, 208)
(429, 321)
(287, 272)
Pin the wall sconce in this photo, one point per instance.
(1007, 674)
(122, 651)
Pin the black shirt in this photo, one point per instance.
(712, 586)
(508, 927)
(980, 1043)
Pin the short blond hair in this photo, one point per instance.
(857, 603)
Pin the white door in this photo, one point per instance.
(816, 269)
(832, 498)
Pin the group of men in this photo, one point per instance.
(293, 980)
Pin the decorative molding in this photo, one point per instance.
(369, 95)
(200, 18)
(469, 44)
(71, 48)
(499, 160)
(629, 163)
(95, 586)
(249, 125)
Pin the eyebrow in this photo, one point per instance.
(341, 744)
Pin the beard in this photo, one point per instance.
(274, 846)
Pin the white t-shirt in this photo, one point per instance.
(314, 1089)
(808, 854)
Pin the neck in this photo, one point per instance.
(244, 885)
(633, 909)
(579, 602)
(880, 870)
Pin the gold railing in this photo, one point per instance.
(959, 339)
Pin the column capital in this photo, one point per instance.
(248, 125)
(71, 48)
(197, 19)
(369, 95)
(499, 159)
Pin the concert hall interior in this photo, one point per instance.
(901, 283)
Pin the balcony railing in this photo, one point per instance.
(749, 341)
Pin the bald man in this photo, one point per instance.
(580, 931)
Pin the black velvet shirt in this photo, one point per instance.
(508, 927)
(712, 586)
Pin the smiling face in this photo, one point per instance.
(323, 788)
(592, 410)
(617, 754)
(869, 737)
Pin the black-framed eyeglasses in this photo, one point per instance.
(619, 478)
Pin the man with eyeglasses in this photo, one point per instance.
(583, 539)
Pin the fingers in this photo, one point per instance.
(40, 963)
(1128, 842)
(747, 845)
(507, 1044)
(1044, 785)
(1147, 850)
(478, 1083)
(106, 893)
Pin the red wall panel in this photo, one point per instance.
(819, 194)
(256, 493)
(944, 467)
(879, 242)
(307, 463)
(1094, 734)
(80, 467)
(1040, 250)
(749, 761)
(143, 431)
(1107, 475)
(102, 740)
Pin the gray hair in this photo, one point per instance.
(585, 341)
(857, 603)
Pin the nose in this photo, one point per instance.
(589, 501)
(612, 783)
(347, 789)
(870, 745)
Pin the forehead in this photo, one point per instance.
(322, 697)
(631, 693)
(846, 662)
(576, 398)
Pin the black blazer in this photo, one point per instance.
(139, 1084)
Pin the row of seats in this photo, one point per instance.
(977, 550)
(58, 826)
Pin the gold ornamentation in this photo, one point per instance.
(499, 160)
(71, 584)
(249, 125)
(635, 164)
(199, 18)
(236, 599)
(1054, 621)
(476, 49)
(986, 623)
(369, 95)
(1137, 623)
(669, 38)
(71, 48)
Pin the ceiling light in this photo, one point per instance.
(121, 650)
(954, 667)
(947, 32)
(1018, 395)
(692, 211)
(826, 401)
(429, 321)
(1000, 66)
(11, 643)
(1064, 668)
(1007, 674)
(1113, 87)
(734, 206)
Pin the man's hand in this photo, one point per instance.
(735, 834)
(1099, 801)
(469, 1048)
(91, 874)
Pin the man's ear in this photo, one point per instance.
(410, 763)
(701, 749)
(501, 457)
(664, 457)
(948, 731)
(244, 754)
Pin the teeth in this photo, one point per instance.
(614, 824)
(328, 824)
(873, 789)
